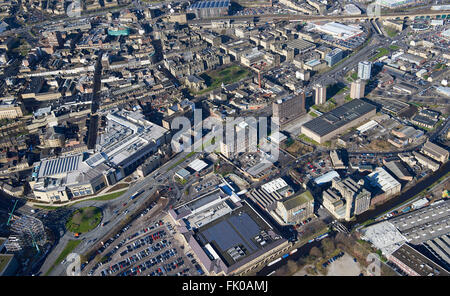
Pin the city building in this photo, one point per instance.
(289, 108)
(10, 108)
(399, 169)
(426, 161)
(334, 56)
(336, 159)
(129, 139)
(382, 179)
(434, 151)
(320, 94)
(364, 70)
(414, 263)
(149, 165)
(294, 209)
(338, 30)
(346, 198)
(392, 4)
(243, 138)
(268, 195)
(357, 89)
(352, 9)
(227, 235)
(209, 9)
(331, 124)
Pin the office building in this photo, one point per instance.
(334, 56)
(243, 138)
(357, 89)
(11, 108)
(294, 209)
(346, 198)
(364, 70)
(289, 108)
(320, 94)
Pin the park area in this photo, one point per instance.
(215, 78)
(84, 220)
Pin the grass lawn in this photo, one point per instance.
(47, 207)
(381, 52)
(109, 196)
(214, 79)
(391, 32)
(71, 245)
(84, 219)
(394, 47)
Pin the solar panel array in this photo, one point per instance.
(59, 165)
(210, 4)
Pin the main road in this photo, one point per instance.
(114, 211)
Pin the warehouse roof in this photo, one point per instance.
(198, 165)
(338, 117)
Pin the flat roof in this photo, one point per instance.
(198, 165)
(418, 262)
(4, 261)
(61, 165)
(425, 223)
(298, 200)
(238, 237)
(330, 121)
(183, 173)
(274, 185)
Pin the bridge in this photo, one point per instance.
(422, 14)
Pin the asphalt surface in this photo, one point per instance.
(162, 176)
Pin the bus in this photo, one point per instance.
(136, 194)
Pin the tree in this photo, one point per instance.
(327, 246)
(315, 252)
(291, 266)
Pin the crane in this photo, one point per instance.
(11, 214)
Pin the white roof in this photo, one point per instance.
(367, 126)
(382, 179)
(384, 236)
(198, 165)
(274, 185)
(327, 177)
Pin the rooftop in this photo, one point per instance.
(382, 179)
(338, 117)
(298, 200)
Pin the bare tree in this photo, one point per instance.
(327, 246)
(315, 252)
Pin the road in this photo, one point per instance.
(160, 177)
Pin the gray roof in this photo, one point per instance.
(338, 117)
